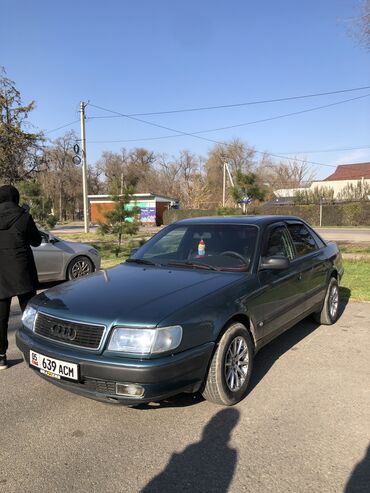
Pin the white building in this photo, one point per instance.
(344, 175)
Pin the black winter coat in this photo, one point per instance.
(18, 233)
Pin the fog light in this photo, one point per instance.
(129, 389)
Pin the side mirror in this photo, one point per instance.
(274, 263)
(44, 237)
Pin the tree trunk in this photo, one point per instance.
(60, 204)
(118, 251)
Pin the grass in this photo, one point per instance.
(358, 248)
(106, 245)
(355, 283)
(356, 280)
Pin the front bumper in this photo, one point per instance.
(98, 375)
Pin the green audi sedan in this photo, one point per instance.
(187, 312)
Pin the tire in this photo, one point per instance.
(330, 310)
(79, 267)
(222, 385)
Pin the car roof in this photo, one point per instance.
(247, 220)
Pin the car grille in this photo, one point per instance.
(72, 333)
(101, 386)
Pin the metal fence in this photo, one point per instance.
(339, 214)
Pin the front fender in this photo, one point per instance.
(204, 321)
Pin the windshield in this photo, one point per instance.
(214, 246)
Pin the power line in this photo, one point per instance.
(62, 126)
(254, 122)
(248, 103)
(355, 148)
(204, 138)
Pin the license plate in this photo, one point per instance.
(54, 368)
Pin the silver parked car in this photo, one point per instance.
(59, 260)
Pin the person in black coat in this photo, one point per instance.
(18, 275)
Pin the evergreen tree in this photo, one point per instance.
(247, 189)
(20, 151)
(40, 206)
(122, 219)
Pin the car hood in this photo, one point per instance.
(131, 294)
(73, 246)
(70, 247)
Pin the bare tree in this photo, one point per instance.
(127, 169)
(239, 156)
(63, 180)
(315, 196)
(351, 192)
(168, 176)
(112, 167)
(287, 174)
(194, 191)
(140, 169)
(183, 177)
(95, 183)
(361, 24)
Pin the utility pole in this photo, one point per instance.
(84, 167)
(224, 187)
(230, 177)
(226, 169)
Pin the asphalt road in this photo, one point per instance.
(354, 235)
(304, 427)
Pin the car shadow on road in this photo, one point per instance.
(344, 294)
(14, 362)
(179, 400)
(264, 360)
(207, 465)
(269, 354)
(359, 480)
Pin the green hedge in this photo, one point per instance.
(173, 215)
(309, 213)
(347, 214)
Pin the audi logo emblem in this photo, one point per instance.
(61, 332)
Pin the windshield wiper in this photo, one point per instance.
(197, 265)
(140, 261)
(173, 263)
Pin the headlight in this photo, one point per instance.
(28, 317)
(145, 341)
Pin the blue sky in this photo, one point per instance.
(145, 56)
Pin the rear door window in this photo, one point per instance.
(303, 240)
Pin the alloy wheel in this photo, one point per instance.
(236, 363)
(80, 268)
(333, 301)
